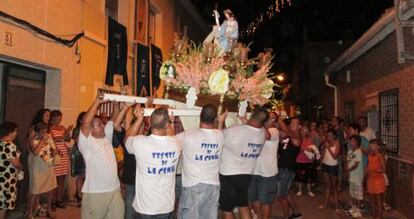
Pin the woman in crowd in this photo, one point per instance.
(306, 172)
(9, 166)
(76, 160)
(60, 136)
(375, 178)
(42, 174)
(330, 167)
(41, 116)
(314, 134)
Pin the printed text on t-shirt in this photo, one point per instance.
(255, 151)
(210, 154)
(168, 163)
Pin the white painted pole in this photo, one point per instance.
(134, 99)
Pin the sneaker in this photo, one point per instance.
(357, 213)
(311, 194)
(295, 216)
(350, 211)
(299, 193)
(387, 207)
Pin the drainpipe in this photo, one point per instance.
(335, 92)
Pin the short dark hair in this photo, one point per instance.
(363, 117)
(356, 138)
(54, 114)
(355, 126)
(80, 119)
(339, 119)
(160, 118)
(40, 126)
(208, 114)
(332, 131)
(375, 141)
(260, 114)
(6, 128)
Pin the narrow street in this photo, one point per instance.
(307, 205)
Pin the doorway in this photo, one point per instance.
(22, 95)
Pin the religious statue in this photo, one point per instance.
(191, 97)
(225, 35)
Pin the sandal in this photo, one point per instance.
(321, 207)
(386, 207)
(50, 215)
(60, 205)
(26, 215)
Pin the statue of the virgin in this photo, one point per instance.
(224, 35)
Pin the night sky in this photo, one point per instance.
(324, 20)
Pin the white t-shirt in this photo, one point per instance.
(241, 149)
(201, 156)
(157, 158)
(101, 167)
(368, 134)
(266, 164)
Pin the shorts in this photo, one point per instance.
(306, 173)
(178, 187)
(356, 191)
(102, 205)
(284, 180)
(157, 216)
(199, 201)
(330, 170)
(262, 189)
(234, 191)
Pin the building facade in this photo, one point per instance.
(371, 80)
(309, 78)
(37, 72)
(67, 78)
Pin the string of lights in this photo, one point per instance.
(268, 14)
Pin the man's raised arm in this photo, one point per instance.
(86, 126)
(133, 130)
(120, 116)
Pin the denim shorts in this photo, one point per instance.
(199, 201)
(330, 170)
(284, 180)
(262, 189)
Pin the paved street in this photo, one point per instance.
(307, 205)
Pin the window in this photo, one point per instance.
(111, 8)
(349, 112)
(152, 22)
(388, 110)
(141, 20)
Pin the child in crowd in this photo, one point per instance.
(375, 178)
(355, 171)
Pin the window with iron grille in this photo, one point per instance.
(388, 113)
(349, 112)
(106, 109)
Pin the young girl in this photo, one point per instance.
(330, 167)
(61, 136)
(375, 175)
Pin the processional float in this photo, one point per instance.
(217, 72)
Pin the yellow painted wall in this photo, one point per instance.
(34, 49)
